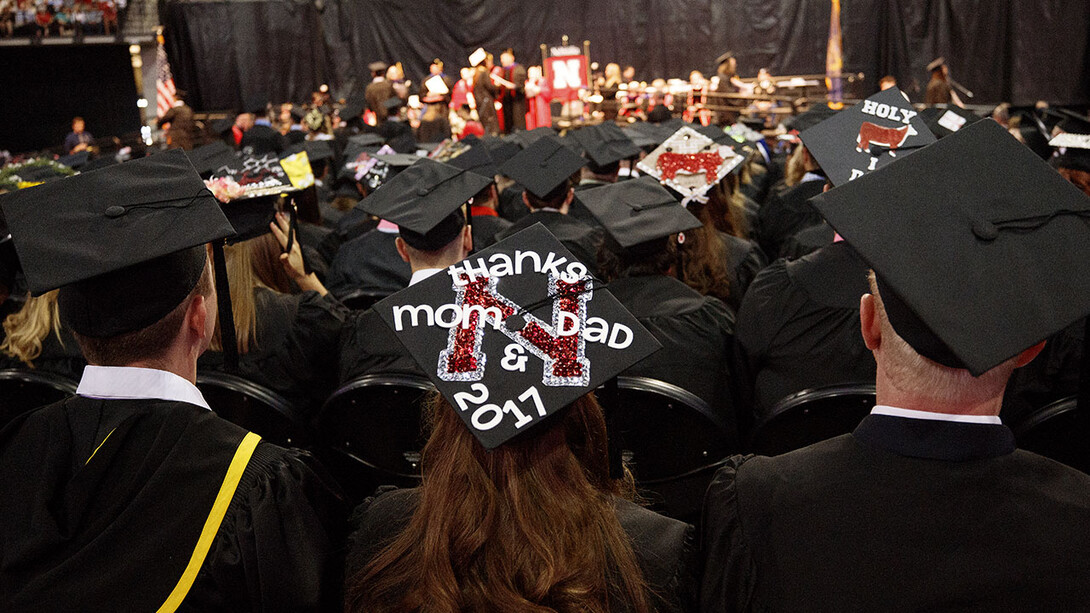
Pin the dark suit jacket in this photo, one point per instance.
(901, 515)
(664, 547)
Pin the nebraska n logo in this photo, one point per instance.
(560, 345)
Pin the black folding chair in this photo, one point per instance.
(363, 299)
(372, 428)
(671, 439)
(255, 407)
(811, 416)
(1057, 431)
(24, 390)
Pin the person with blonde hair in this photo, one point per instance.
(34, 338)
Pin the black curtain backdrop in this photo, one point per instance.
(1003, 50)
(44, 87)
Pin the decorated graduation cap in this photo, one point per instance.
(425, 202)
(257, 175)
(638, 211)
(945, 121)
(979, 247)
(1074, 151)
(515, 333)
(605, 144)
(689, 162)
(869, 135)
(125, 243)
(543, 166)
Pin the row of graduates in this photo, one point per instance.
(506, 518)
(298, 339)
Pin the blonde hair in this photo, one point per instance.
(796, 167)
(27, 328)
(908, 371)
(241, 276)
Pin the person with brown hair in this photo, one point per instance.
(519, 509)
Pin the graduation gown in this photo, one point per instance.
(787, 213)
(798, 328)
(512, 208)
(807, 240)
(578, 237)
(59, 356)
(293, 353)
(261, 139)
(901, 515)
(368, 347)
(696, 334)
(1051, 376)
(105, 502)
(744, 260)
(486, 225)
(665, 548)
(371, 262)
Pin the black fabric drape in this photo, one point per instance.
(223, 51)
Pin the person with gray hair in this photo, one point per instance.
(928, 505)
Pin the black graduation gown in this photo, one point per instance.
(511, 207)
(1051, 376)
(295, 348)
(485, 229)
(807, 240)
(261, 139)
(578, 210)
(785, 214)
(59, 356)
(798, 328)
(368, 346)
(578, 237)
(744, 260)
(665, 548)
(371, 262)
(695, 332)
(104, 501)
(901, 515)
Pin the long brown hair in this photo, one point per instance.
(528, 526)
(726, 208)
(704, 260)
(27, 328)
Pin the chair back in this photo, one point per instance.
(363, 299)
(255, 408)
(811, 416)
(22, 390)
(374, 422)
(1058, 431)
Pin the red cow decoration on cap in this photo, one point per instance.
(874, 134)
(670, 164)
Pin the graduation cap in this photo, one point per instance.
(646, 135)
(501, 150)
(392, 104)
(75, 161)
(255, 103)
(257, 175)
(525, 138)
(979, 247)
(869, 135)
(206, 159)
(366, 139)
(689, 162)
(533, 341)
(605, 144)
(810, 118)
(224, 124)
(944, 121)
(1073, 122)
(425, 201)
(726, 57)
(354, 106)
(638, 211)
(1074, 151)
(297, 113)
(718, 135)
(125, 244)
(476, 159)
(316, 150)
(543, 166)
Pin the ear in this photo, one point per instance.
(197, 318)
(569, 197)
(526, 201)
(1027, 356)
(869, 322)
(402, 249)
(467, 240)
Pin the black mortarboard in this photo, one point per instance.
(255, 103)
(1074, 151)
(224, 124)
(543, 166)
(538, 334)
(206, 159)
(869, 135)
(317, 150)
(810, 118)
(392, 103)
(1073, 122)
(125, 243)
(501, 150)
(945, 121)
(979, 247)
(724, 58)
(476, 159)
(525, 138)
(638, 211)
(75, 161)
(646, 135)
(717, 134)
(605, 143)
(366, 139)
(424, 200)
(353, 107)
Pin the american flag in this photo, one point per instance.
(164, 81)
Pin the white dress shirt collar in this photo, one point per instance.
(422, 274)
(912, 414)
(129, 383)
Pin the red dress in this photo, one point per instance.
(538, 113)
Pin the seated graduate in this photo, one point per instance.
(639, 261)
(978, 251)
(545, 169)
(518, 508)
(425, 201)
(133, 495)
(34, 338)
(485, 221)
(287, 325)
(604, 146)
